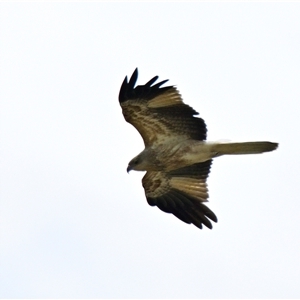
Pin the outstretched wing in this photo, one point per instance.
(158, 113)
(181, 192)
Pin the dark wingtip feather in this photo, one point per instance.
(127, 86)
(146, 92)
(123, 90)
(133, 79)
(185, 208)
(151, 81)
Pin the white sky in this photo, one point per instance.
(73, 222)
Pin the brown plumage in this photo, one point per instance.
(176, 156)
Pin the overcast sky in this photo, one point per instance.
(73, 222)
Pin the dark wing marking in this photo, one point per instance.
(146, 92)
(158, 113)
(181, 192)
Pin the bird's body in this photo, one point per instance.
(172, 156)
(177, 156)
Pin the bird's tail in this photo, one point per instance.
(243, 148)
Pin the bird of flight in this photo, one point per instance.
(176, 156)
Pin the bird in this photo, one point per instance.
(177, 158)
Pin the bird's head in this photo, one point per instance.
(136, 164)
(143, 162)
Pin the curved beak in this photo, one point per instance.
(129, 168)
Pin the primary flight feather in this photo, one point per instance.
(176, 156)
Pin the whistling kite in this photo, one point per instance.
(176, 157)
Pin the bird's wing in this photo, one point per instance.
(182, 193)
(158, 113)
